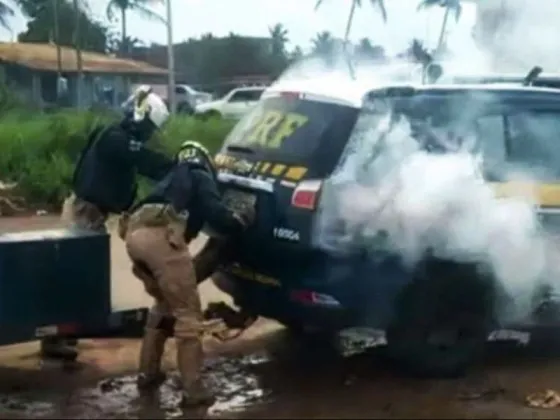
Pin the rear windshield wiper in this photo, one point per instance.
(240, 149)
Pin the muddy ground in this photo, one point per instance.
(264, 374)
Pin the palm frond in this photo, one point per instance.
(146, 12)
(5, 13)
(458, 9)
(110, 10)
(319, 2)
(382, 9)
(430, 3)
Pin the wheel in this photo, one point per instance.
(442, 320)
(314, 346)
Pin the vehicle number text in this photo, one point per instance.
(286, 234)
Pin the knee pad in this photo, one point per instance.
(159, 321)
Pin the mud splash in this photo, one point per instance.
(236, 387)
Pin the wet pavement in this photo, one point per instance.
(285, 379)
(264, 374)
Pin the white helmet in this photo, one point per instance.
(145, 103)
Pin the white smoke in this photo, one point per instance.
(389, 196)
(516, 35)
(392, 197)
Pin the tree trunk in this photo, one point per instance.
(346, 35)
(58, 50)
(124, 43)
(349, 22)
(443, 28)
(79, 64)
(125, 49)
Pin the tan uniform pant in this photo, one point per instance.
(162, 261)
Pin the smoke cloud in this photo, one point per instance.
(390, 195)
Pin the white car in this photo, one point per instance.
(233, 105)
(185, 93)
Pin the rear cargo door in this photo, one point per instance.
(288, 143)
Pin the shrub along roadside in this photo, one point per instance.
(39, 152)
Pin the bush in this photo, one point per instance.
(39, 152)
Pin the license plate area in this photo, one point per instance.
(239, 201)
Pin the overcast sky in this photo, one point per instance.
(192, 18)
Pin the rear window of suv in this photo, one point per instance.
(290, 129)
(511, 133)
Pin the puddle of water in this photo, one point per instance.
(235, 386)
(24, 406)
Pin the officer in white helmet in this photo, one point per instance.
(104, 179)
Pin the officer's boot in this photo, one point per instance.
(59, 348)
(150, 376)
(190, 359)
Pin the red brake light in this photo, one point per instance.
(305, 195)
(290, 95)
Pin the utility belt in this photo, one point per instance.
(152, 215)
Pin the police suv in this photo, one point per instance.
(280, 158)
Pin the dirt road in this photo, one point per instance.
(264, 374)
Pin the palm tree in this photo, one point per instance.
(124, 6)
(451, 6)
(358, 3)
(323, 43)
(5, 13)
(279, 36)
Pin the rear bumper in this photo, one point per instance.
(283, 305)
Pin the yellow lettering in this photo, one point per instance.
(277, 169)
(264, 167)
(260, 133)
(290, 123)
(295, 173)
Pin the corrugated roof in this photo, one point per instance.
(44, 57)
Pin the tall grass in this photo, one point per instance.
(39, 152)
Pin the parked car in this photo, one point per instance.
(281, 157)
(186, 97)
(235, 104)
(189, 98)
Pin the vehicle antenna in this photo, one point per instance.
(532, 76)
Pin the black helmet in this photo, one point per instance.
(196, 154)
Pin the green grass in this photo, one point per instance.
(39, 152)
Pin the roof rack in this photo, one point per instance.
(533, 78)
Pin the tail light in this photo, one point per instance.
(308, 297)
(290, 95)
(306, 195)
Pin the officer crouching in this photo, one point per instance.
(157, 234)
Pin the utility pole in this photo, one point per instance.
(170, 59)
(79, 64)
(58, 50)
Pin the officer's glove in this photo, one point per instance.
(246, 216)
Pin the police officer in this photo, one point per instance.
(157, 237)
(105, 177)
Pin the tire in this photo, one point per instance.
(442, 320)
(317, 346)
